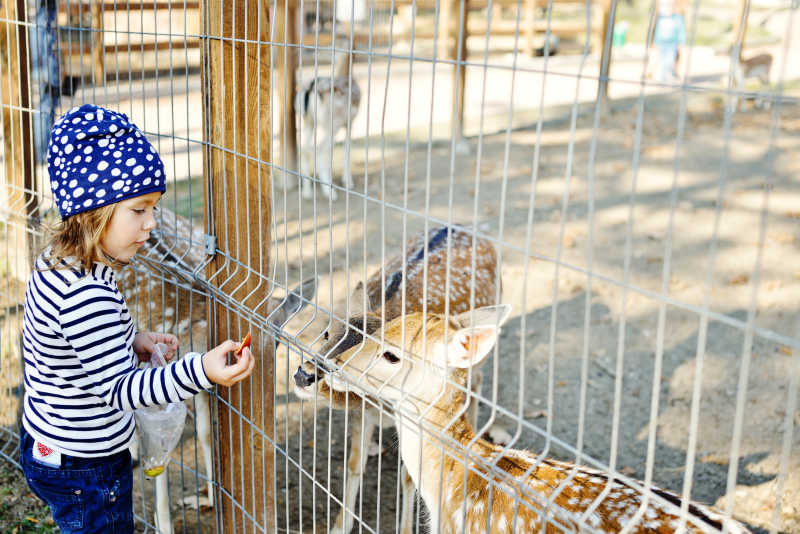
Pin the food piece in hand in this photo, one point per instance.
(245, 343)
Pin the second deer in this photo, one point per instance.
(399, 288)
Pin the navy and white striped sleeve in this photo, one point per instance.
(93, 323)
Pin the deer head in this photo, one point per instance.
(417, 355)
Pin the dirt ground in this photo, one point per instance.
(729, 297)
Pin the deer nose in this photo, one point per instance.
(303, 379)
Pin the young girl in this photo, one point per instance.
(80, 345)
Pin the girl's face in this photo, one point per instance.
(130, 226)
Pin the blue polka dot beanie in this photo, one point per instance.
(98, 157)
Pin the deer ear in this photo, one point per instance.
(296, 299)
(486, 316)
(467, 347)
(357, 301)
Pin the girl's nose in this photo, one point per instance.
(150, 222)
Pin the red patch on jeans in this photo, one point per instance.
(44, 450)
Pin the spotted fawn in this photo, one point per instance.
(468, 484)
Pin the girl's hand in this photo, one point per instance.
(144, 343)
(215, 364)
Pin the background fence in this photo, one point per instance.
(646, 228)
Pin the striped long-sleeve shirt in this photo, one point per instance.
(81, 375)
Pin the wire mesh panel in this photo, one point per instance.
(508, 266)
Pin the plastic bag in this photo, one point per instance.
(160, 427)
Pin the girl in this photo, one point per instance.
(79, 342)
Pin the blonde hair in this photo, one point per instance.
(78, 237)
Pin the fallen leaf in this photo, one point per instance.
(739, 280)
(783, 238)
(561, 383)
(715, 459)
(536, 414)
(785, 350)
(772, 285)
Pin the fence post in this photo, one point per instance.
(236, 100)
(606, 38)
(286, 58)
(451, 21)
(17, 136)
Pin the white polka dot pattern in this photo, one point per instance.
(124, 163)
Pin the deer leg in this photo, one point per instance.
(361, 437)
(202, 418)
(134, 448)
(324, 153)
(162, 520)
(347, 177)
(409, 494)
(306, 169)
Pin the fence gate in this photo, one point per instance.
(623, 175)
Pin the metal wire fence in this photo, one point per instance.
(337, 168)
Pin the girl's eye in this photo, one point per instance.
(138, 210)
(391, 358)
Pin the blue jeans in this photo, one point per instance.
(85, 495)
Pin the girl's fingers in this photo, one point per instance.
(242, 369)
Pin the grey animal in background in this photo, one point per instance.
(325, 107)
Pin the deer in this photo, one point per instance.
(326, 106)
(420, 366)
(469, 286)
(177, 311)
(758, 67)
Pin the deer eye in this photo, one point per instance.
(391, 358)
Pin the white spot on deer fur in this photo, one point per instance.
(502, 524)
(650, 513)
(183, 326)
(166, 326)
(169, 312)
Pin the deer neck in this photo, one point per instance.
(432, 470)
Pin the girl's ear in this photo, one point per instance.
(466, 347)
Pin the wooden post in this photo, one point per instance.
(606, 38)
(740, 29)
(530, 27)
(459, 49)
(236, 100)
(21, 200)
(98, 48)
(286, 32)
